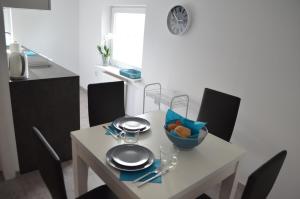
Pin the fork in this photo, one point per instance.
(156, 171)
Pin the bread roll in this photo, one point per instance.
(172, 126)
(183, 131)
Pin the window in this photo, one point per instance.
(128, 36)
(8, 25)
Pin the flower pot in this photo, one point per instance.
(105, 60)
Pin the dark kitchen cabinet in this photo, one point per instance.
(49, 100)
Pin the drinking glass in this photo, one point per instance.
(130, 136)
(168, 156)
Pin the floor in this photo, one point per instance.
(31, 186)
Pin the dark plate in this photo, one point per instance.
(129, 157)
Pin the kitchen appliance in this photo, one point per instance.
(17, 62)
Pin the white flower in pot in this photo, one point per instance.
(105, 50)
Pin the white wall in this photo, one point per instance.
(53, 33)
(7, 21)
(89, 36)
(248, 48)
(8, 152)
(7, 28)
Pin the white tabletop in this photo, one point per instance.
(195, 168)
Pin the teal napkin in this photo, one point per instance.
(29, 53)
(131, 176)
(195, 126)
(113, 129)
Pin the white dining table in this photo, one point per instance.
(214, 161)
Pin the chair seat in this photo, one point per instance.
(98, 193)
(203, 196)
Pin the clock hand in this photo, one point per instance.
(176, 17)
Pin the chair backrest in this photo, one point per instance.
(261, 181)
(220, 111)
(105, 102)
(49, 166)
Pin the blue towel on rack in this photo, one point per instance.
(29, 53)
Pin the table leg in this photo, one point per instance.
(80, 170)
(229, 186)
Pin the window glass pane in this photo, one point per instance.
(8, 25)
(128, 37)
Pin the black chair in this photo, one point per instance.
(220, 111)
(261, 181)
(51, 172)
(105, 102)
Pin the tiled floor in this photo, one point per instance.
(31, 186)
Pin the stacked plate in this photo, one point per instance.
(129, 157)
(132, 124)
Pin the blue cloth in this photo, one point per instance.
(112, 129)
(131, 176)
(131, 73)
(29, 53)
(195, 126)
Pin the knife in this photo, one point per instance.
(152, 178)
(143, 176)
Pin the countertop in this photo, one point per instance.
(43, 68)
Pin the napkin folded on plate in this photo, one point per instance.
(132, 175)
(195, 126)
(113, 129)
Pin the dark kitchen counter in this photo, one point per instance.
(42, 68)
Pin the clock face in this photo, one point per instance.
(178, 20)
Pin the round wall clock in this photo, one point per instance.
(178, 20)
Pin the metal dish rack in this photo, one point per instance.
(172, 99)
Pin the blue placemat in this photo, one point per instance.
(113, 129)
(131, 176)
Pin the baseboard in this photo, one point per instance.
(82, 88)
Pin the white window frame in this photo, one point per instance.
(123, 9)
(8, 23)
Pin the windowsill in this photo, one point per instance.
(115, 72)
